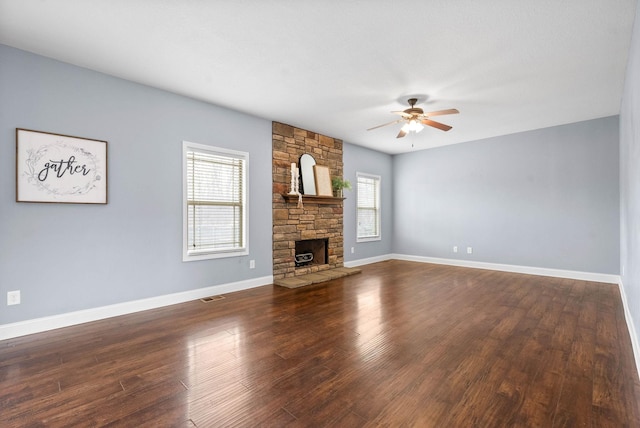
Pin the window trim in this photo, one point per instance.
(214, 254)
(378, 179)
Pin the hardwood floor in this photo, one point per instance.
(402, 344)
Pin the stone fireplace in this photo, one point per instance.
(319, 220)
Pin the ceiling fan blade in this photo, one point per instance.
(386, 124)
(436, 124)
(441, 112)
(401, 134)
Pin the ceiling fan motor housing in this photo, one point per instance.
(414, 111)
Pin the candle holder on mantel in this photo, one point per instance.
(295, 183)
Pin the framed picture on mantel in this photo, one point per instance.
(323, 180)
(60, 168)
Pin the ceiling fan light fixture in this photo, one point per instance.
(412, 125)
(415, 126)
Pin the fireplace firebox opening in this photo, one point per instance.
(312, 252)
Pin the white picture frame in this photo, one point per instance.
(58, 168)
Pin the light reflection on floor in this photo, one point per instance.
(370, 320)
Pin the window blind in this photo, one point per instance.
(215, 202)
(368, 206)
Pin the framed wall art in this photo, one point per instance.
(60, 168)
(323, 180)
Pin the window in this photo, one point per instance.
(215, 202)
(368, 207)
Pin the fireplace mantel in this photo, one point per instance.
(313, 199)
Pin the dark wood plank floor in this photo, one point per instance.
(402, 344)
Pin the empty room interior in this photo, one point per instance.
(313, 214)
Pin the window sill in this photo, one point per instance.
(215, 255)
(372, 239)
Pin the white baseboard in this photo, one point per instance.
(22, 328)
(631, 327)
(558, 273)
(368, 261)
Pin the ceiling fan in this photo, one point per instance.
(415, 117)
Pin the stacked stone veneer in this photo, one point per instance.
(313, 220)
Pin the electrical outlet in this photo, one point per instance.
(469, 250)
(455, 248)
(13, 297)
(252, 264)
(353, 250)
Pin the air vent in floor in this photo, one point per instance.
(211, 299)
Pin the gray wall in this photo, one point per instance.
(66, 257)
(630, 181)
(358, 159)
(546, 198)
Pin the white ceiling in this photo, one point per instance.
(338, 67)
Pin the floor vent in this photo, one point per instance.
(211, 299)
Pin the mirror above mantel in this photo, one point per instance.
(307, 162)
